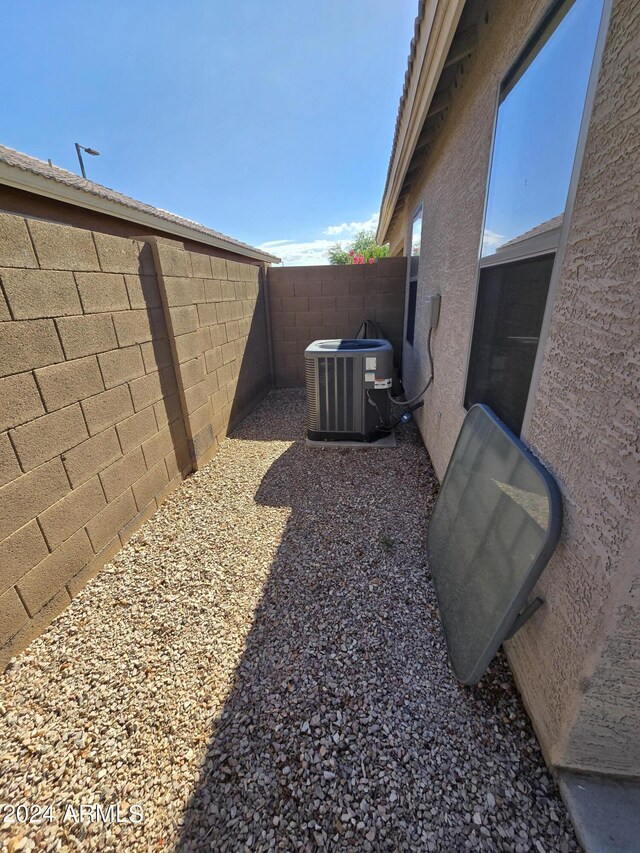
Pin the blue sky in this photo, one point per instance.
(269, 121)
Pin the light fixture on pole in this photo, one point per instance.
(91, 151)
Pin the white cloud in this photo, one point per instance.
(491, 240)
(348, 229)
(314, 252)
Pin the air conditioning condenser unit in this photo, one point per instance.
(348, 383)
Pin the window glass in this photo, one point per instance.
(414, 264)
(511, 304)
(537, 127)
(416, 239)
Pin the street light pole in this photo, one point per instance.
(91, 151)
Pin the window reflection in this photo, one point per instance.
(537, 129)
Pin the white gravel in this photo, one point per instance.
(262, 668)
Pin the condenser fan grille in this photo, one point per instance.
(330, 402)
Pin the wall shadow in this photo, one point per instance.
(254, 379)
(342, 728)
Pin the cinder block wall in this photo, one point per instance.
(93, 435)
(312, 303)
(215, 310)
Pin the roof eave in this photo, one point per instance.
(437, 29)
(21, 179)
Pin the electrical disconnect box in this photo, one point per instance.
(433, 310)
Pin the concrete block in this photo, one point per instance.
(72, 512)
(192, 371)
(23, 499)
(189, 346)
(212, 290)
(4, 308)
(122, 473)
(46, 579)
(43, 438)
(93, 455)
(9, 467)
(200, 418)
(335, 287)
(158, 323)
(150, 484)
(307, 288)
(36, 625)
(228, 291)
(168, 410)
(13, 616)
(218, 268)
(200, 265)
(203, 442)
(228, 352)
(66, 383)
(174, 260)
(233, 331)
(183, 291)
(28, 344)
(350, 303)
(309, 318)
(143, 291)
(106, 409)
(207, 314)
(133, 327)
(184, 319)
(133, 431)
(218, 401)
(60, 247)
(213, 359)
(21, 552)
(156, 354)
(117, 254)
(218, 335)
(156, 448)
(224, 374)
(86, 335)
(40, 293)
(15, 244)
(146, 390)
(137, 521)
(102, 292)
(121, 365)
(196, 396)
(77, 583)
(19, 400)
(108, 523)
(235, 310)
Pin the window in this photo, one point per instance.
(536, 136)
(414, 264)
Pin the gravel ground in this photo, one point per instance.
(262, 668)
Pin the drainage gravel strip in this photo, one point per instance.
(262, 668)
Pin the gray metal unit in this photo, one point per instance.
(347, 384)
(493, 529)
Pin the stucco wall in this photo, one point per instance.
(107, 399)
(585, 417)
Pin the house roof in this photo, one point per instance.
(434, 30)
(36, 176)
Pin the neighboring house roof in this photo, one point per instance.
(543, 228)
(36, 176)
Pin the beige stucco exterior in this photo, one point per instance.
(577, 662)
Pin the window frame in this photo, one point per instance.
(418, 213)
(532, 45)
